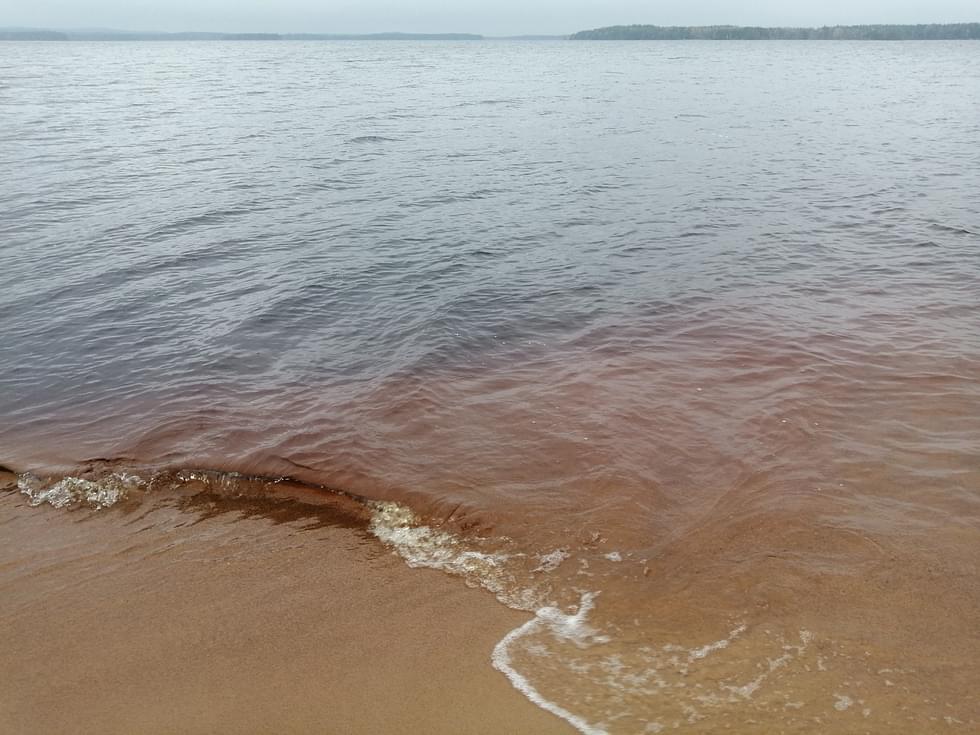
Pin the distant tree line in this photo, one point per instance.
(31, 35)
(930, 32)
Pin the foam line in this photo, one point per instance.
(422, 546)
(553, 618)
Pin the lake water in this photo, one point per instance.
(677, 344)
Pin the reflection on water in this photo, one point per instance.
(685, 359)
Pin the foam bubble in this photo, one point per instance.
(704, 651)
(68, 491)
(422, 546)
(790, 652)
(550, 562)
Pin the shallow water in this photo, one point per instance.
(675, 343)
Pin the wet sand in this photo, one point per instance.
(206, 616)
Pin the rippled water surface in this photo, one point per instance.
(676, 343)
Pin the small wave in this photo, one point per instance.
(371, 139)
(104, 483)
(482, 103)
(954, 229)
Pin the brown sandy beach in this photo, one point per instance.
(233, 616)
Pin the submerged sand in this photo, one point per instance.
(222, 615)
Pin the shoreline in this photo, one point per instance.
(224, 617)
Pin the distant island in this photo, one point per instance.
(40, 34)
(930, 32)
(31, 34)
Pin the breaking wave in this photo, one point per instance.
(70, 491)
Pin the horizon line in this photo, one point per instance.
(104, 29)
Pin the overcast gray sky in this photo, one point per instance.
(491, 17)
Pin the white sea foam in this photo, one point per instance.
(573, 628)
(550, 657)
(423, 546)
(556, 648)
(98, 494)
(698, 653)
(790, 652)
(550, 562)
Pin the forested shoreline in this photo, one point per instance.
(926, 32)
